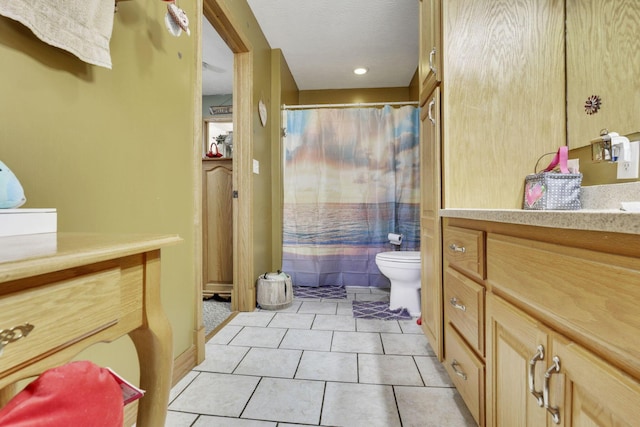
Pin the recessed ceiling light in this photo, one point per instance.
(360, 71)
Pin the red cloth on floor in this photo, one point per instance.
(78, 394)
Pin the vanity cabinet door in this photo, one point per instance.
(431, 246)
(430, 161)
(513, 343)
(582, 389)
(595, 393)
(430, 70)
(603, 60)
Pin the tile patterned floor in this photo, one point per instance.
(313, 364)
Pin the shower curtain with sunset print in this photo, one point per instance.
(351, 176)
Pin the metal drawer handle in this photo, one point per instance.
(456, 248)
(455, 304)
(431, 66)
(554, 411)
(532, 372)
(455, 365)
(7, 336)
(430, 111)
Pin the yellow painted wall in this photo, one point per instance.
(284, 91)
(112, 150)
(595, 173)
(348, 96)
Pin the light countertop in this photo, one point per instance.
(601, 212)
(610, 220)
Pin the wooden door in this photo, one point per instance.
(431, 247)
(595, 393)
(430, 70)
(218, 227)
(513, 346)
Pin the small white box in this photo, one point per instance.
(15, 222)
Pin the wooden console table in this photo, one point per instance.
(78, 289)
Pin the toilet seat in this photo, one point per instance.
(404, 257)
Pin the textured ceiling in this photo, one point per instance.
(324, 40)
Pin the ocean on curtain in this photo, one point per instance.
(351, 176)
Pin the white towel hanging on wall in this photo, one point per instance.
(81, 27)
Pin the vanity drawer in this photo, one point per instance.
(464, 307)
(464, 249)
(58, 311)
(466, 372)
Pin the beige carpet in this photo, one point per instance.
(214, 313)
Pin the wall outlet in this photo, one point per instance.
(629, 169)
(256, 167)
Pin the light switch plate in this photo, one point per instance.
(629, 169)
(256, 167)
(573, 165)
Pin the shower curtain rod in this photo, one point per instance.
(358, 104)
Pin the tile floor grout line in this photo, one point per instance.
(244, 408)
(298, 364)
(184, 388)
(313, 321)
(382, 343)
(333, 335)
(395, 399)
(240, 361)
(415, 363)
(324, 393)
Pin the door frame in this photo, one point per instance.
(243, 294)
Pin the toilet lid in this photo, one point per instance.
(400, 256)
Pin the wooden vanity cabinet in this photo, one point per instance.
(584, 390)
(573, 294)
(217, 226)
(547, 293)
(502, 98)
(464, 300)
(430, 226)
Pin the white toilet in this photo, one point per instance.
(402, 268)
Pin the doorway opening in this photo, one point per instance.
(242, 285)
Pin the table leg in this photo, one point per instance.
(154, 344)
